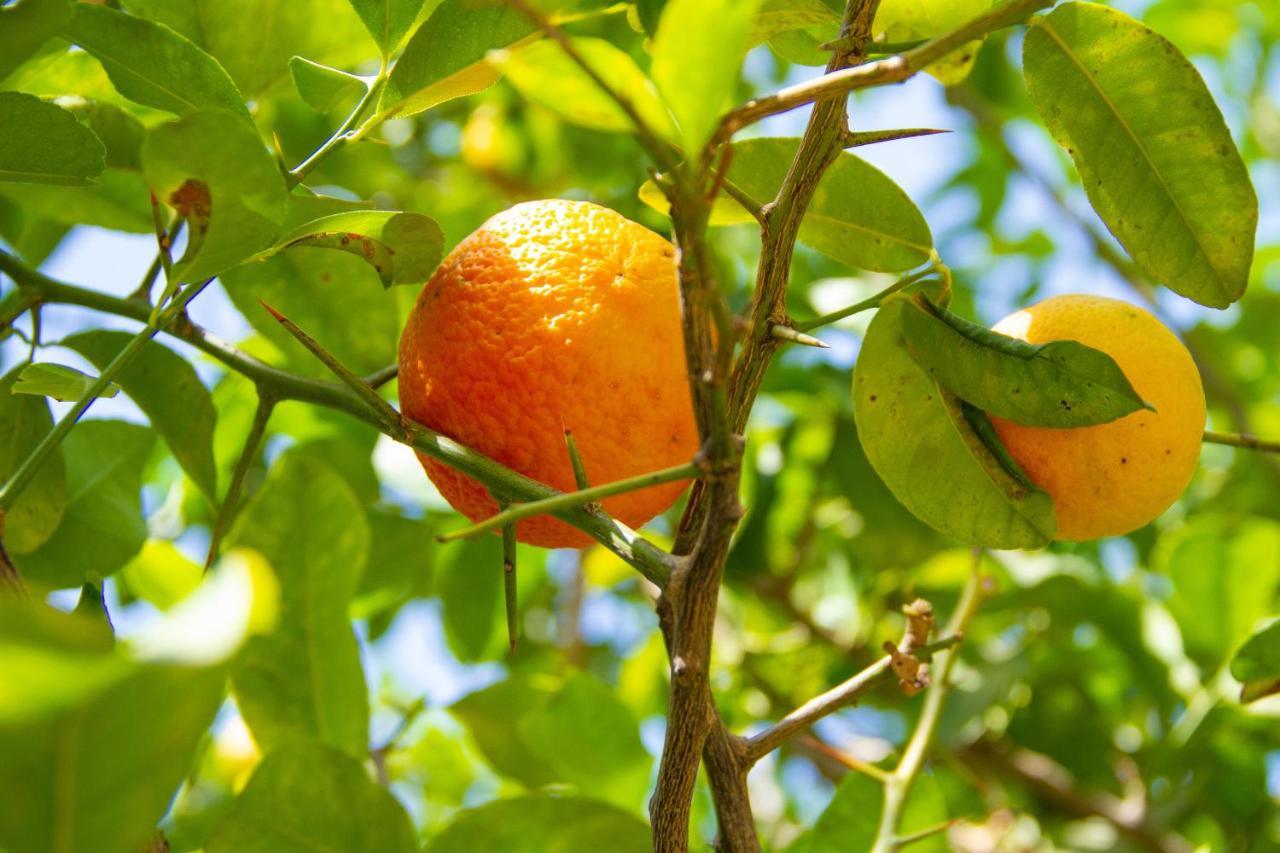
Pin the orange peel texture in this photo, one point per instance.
(554, 316)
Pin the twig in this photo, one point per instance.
(651, 561)
(1249, 442)
(31, 464)
(580, 478)
(893, 69)
(898, 786)
(382, 376)
(653, 144)
(227, 510)
(844, 694)
(379, 753)
(845, 759)
(565, 500)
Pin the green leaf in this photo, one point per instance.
(650, 13)
(151, 64)
(92, 604)
(304, 678)
(1152, 150)
(305, 205)
(168, 390)
(1060, 384)
(403, 248)
(37, 512)
(445, 57)
(161, 574)
(890, 535)
(590, 739)
(321, 292)
(469, 582)
(780, 16)
(103, 526)
(62, 383)
(254, 39)
(1257, 664)
(388, 21)
(545, 74)
(541, 823)
(924, 446)
(211, 167)
(914, 20)
(401, 562)
(44, 144)
(118, 130)
(698, 75)
(1225, 576)
(119, 201)
(858, 216)
(493, 716)
(849, 821)
(25, 26)
(305, 796)
(325, 88)
(51, 661)
(98, 776)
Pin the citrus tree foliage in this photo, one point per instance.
(270, 647)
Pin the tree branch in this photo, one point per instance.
(898, 784)
(1249, 442)
(281, 385)
(894, 69)
(845, 694)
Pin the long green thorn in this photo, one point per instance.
(348, 377)
(579, 470)
(509, 582)
(566, 500)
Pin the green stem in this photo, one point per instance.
(650, 560)
(521, 511)
(27, 470)
(509, 584)
(347, 131)
(1249, 442)
(898, 785)
(226, 512)
(866, 304)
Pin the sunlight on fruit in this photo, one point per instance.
(1112, 478)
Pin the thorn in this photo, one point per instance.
(280, 318)
(786, 333)
(856, 138)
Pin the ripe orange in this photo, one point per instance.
(554, 316)
(1110, 479)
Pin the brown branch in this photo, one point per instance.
(838, 82)
(842, 695)
(898, 785)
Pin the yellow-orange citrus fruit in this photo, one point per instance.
(1109, 479)
(554, 316)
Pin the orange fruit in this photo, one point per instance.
(554, 316)
(1112, 478)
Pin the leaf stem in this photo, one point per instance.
(227, 511)
(509, 584)
(1239, 439)
(866, 304)
(893, 69)
(520, 511)
(31, 464)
